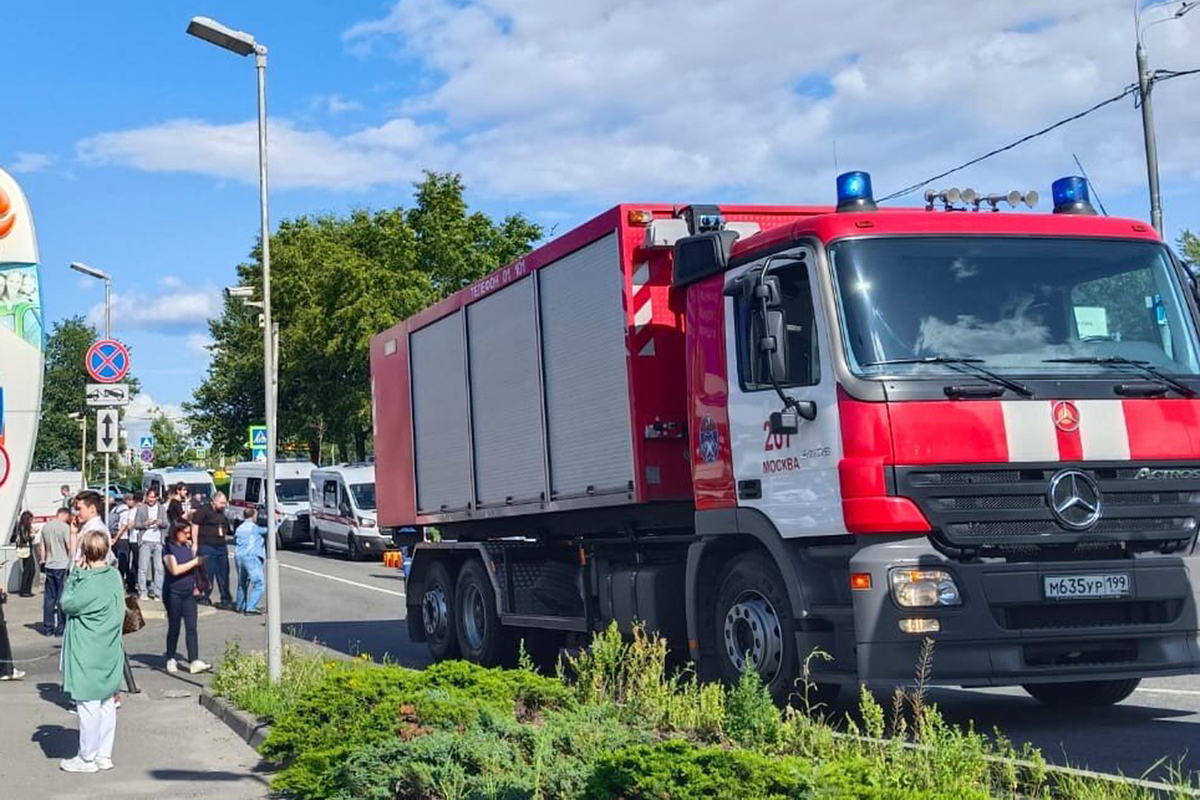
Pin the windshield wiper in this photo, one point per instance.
(1120, 361)
(967, 366)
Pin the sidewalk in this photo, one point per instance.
(167, 746)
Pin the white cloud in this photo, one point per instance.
(392, 153)
(143, 408)
(172, 305)
(612, 99)
(31, 162)
(199, 344)
(335, 104)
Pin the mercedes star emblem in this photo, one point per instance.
(1074, 499)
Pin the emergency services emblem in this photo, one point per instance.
(709, 440)
(1065, 415)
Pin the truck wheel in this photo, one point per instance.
(754, 618)
(437, 613)
(481, 637)
(352, 548)
(1082, 693)
(318, 542)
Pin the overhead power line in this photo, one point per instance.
(1159, 75)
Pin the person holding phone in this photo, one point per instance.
(180, 594)
(150, 522)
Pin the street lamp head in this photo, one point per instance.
(1186, 7)
(92, 271)
(214, 32)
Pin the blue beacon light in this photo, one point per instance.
(854, 192)
(1071, 196)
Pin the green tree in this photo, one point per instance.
(63, 389)
(1188, 245)
(171, 445)
(336, 282)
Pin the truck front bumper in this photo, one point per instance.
(1006, 632)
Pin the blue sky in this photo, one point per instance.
(135, 144)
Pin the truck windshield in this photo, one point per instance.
(364, 496)
(1013, 303)
(291, 490)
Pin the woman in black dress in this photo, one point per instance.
(23, 539)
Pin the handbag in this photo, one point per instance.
(203, 587)
(24, 552)
(134, 621)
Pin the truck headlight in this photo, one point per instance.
(923, 588)
(366, 523)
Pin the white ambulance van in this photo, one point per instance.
(198, 481)
(342, 499)
(291, 496)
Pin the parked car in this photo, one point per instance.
(342, 518)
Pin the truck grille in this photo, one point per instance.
(1094, 614)
(976, 507)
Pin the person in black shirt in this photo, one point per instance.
(210, 529)
(179, 596)
(175, 507)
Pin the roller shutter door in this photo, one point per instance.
(440, 416)
(587, 391)
(506, 421)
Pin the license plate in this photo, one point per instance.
(1063, 587)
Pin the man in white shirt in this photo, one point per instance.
(150, 522)
(88, 505)
(120, 524)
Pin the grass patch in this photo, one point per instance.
(613, 723)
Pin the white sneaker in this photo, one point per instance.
(103, 763)
(16, 675)
(198, 666)
(172, 666)
(77, 764)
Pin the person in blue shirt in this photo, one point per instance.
(250, 539)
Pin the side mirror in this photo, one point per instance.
(773, 344)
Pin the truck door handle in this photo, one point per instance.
(750, 490)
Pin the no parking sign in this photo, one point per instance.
(107, 361)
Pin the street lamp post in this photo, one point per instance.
(104, 276)
(1145, 88)
(243, 44)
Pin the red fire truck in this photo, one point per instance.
(769, 430)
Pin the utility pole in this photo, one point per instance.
(243, 44)
(1145, 85)
(1146, 88)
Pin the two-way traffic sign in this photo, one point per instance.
(107, 430)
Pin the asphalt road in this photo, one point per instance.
(359, 608)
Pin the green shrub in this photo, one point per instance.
(679, 770)
(357, 704)
(495, 758)
(752, 720)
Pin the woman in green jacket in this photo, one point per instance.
(93, 654)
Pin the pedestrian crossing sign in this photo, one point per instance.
(258, 453)
(258, 437)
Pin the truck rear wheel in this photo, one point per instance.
(437, 613)
(1082, 693)
(754, 620)
(481, 637)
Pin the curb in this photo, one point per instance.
(252, 730)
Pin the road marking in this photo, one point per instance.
(1188, 692)
(342, 580)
